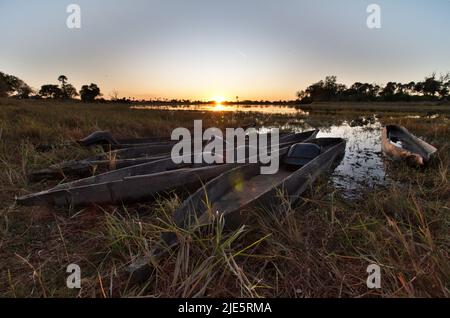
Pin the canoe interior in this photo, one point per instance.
(404, 140)
(242, 187)
(252, 184)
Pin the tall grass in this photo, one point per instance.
(319, 247)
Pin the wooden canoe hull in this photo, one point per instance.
(86, 168)
(163, 165)
(127, 190)
(132, 184)
(108, 161)
(107, 140)
(414, 150)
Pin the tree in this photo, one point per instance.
(68, 91)
(445, 85)
(431, 86)
(304, 98)
(88, 93)
(327, 90)
(410, 88)
(13, 86)
(3, 87)
(418, 88)
(50, 91)
(63, 79)
(389, 91)
(24, 91)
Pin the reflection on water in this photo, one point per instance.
(363, 165)
(263, 109)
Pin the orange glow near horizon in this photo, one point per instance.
(218, 107)
(218, 100)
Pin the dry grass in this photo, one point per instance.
(319, 247)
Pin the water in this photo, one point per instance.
(262, 109)
(362, 167)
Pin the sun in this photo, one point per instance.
(218, 100)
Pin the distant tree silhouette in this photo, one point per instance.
(68, 91)
(329, 89)
(3, 87)
(431, 86)
(64, 91)
(88, 93)
(445, 86)
(304, 97)
(389, 91)
(24, 91)
(13, 86)
(410, 88)
(50, 91)
(63, 79)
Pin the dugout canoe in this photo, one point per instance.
(109, 142)
(235, 193)
(137, 183)
(88, 167)
(110, 160)
(105, 138)
(399, 144)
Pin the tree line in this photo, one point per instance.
(432, 88)
(12, 86)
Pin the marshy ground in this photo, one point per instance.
(370, 211)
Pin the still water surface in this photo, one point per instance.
(261, 109)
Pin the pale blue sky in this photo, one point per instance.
(205, 48)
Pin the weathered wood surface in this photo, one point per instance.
(233, 192)
(412, 149)
(110, 160)
(132, 184)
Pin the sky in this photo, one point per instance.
(202, 49)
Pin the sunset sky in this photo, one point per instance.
(200, 49)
